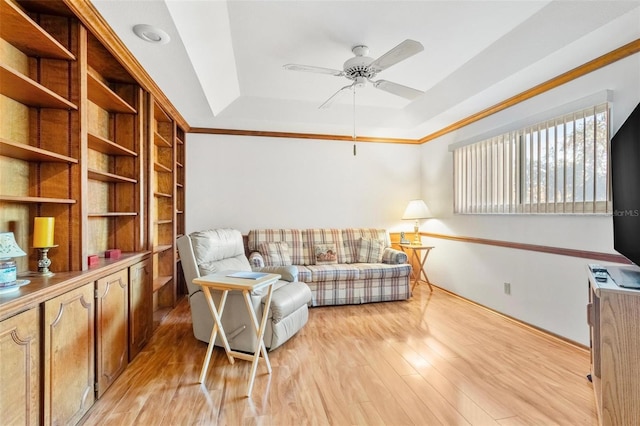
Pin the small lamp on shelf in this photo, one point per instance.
(416, 210)
(43, 241)
(8, 250)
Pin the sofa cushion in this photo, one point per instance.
(313, 237)
(275, 253)
(336, 272)
(351, 238)
(382, 270)
(293, 238)
(370, 250)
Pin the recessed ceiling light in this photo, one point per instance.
(151, 34)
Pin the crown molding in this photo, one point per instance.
(237, 132)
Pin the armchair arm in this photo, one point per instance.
(256, 260)
(288, 273)
(393, 256)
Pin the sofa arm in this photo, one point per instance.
(256, 260)
(393, 256)
(288, 273)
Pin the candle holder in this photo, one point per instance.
(44, 262)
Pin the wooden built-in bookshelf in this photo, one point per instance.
(40, 169)
(85, 138)
(163, 206)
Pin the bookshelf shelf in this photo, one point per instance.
(29, 92)
(104, 97)
(25, 152)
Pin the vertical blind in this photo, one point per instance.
(558, 166)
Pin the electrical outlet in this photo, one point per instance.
(507, 288)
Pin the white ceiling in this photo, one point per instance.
(223, 65)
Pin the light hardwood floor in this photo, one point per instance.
(434, 359)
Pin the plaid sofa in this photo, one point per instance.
(340, 266)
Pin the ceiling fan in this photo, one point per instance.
(362, 68)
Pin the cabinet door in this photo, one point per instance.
(20, 368)
(140, 306)
(112, 296)
(69, 326)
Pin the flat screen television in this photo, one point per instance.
(625, 186)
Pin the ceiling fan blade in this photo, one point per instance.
(309, 68)
(399, 53)
(397, 89)
(335, 96)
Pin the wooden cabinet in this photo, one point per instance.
(20, 368)
(62, 354)
(614, 315)
(140, 306)
(112, 315)
(69, 369)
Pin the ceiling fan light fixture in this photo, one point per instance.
(362, 68)
(151, 34)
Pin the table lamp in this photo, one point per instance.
(43, 241)
(416, 210)
(8, 249)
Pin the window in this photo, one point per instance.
(558, 166)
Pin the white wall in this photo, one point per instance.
(548, 291)
(255, 182)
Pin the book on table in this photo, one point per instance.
(248, 275)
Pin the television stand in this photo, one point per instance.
(625, 276)
(613, 314)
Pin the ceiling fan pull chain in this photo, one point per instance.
(354, 121)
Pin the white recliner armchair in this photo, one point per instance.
(215, 250)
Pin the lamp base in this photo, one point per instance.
(417, 241)
(44, 262)
(7, 273)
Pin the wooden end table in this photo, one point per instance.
(225, 283)
(416, 251)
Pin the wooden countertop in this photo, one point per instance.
(41, 289)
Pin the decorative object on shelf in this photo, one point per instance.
(8, 250)
(43, 241)
(12, 288)
(113, 254)
(416, 210)
(403, 240)
(43, 231)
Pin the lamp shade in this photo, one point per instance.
(416, 209)
(8, 246)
